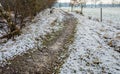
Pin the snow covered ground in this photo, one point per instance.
(40, 26)
(91, 53)
(112, 14)
(95, 49)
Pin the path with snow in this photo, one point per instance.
(42, 24)
(45, 44)
(44, 58)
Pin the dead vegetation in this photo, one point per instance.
(15, 13)
(115, 42)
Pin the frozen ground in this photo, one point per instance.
(44, 23)
(94, 50)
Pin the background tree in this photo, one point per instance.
(72, 4)
(80, 3)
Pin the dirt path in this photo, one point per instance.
(44, 60)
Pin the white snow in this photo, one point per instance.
(90, 52)
(111, 14)
(40, 26)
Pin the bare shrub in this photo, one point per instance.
(15, 13)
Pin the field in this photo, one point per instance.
(108, 13)
(112, 14)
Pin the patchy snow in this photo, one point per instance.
(40, 26)
(91, 53)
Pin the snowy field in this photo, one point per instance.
(92, 51)
(108, 13)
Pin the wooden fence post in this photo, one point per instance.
(101, 14)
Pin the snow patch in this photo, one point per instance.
(90, 52)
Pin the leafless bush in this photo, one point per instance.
(15, 13)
